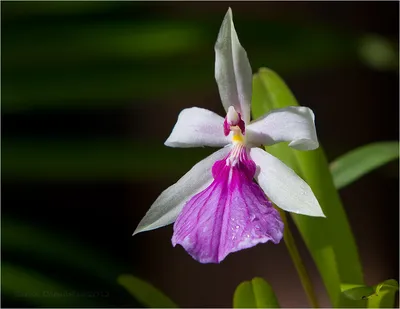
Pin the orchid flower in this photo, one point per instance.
(217, 207)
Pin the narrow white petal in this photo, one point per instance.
(169, 204)
(232, 69)
(294, 124)
(198, 127)
(282, 185)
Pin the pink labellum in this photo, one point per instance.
(231, 214)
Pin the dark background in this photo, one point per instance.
(90, 92)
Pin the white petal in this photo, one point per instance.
(198, 127)
(232, 70)
(169, 204)
(282, 185)
(294, 124)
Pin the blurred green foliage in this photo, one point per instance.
(358, 162)
(379, 53)
(256, 293)
(145, 292)
(99, 54)
(58, 271)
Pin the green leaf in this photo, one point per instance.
(385, 294)
(387, 285)
(380, 296)
(329, 240)
(358, 162)
(384, 299)
(256, 293)
(357, 292)
(145, 293)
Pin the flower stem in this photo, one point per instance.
(298, 263)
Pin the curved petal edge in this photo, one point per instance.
(197, 127)
(283, 186)
(293, 124)
(232, 69)
(169, 204)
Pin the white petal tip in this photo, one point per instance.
(304, 144)
(168, 143)
(319, 214)
(173, 143)
(313, 213)
(141, 229)
(137, 231)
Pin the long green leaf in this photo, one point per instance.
(145, 293)
(329, 240)
(256, 293)
(358, 162)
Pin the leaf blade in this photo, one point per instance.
(145, 293)
(357, 292)
(256, 293)
(360, 161)
(385, 294)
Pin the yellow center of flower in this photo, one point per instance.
(237, 137)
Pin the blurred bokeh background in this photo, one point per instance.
(90, 92)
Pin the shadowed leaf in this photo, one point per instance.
(256, 293)
(358, 162)
(145, 293)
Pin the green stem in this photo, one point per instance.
(298, 263)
